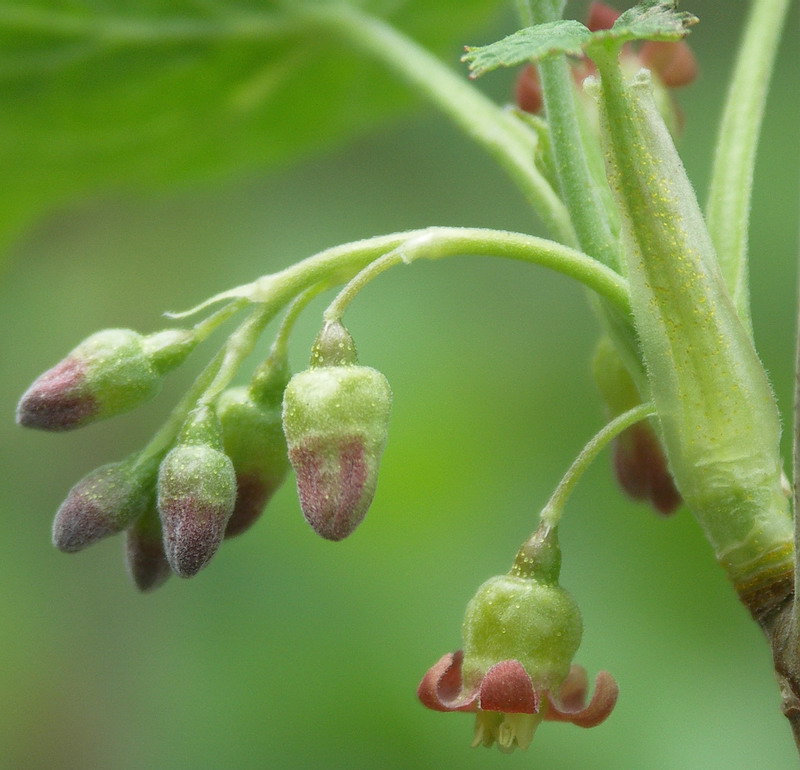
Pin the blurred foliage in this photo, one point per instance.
(120, 95)
(293, 652)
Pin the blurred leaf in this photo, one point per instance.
(531, 43)
(650, 20)
(139, 94)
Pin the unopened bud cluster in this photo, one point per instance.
(229, 458)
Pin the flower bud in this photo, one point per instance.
(103, 503)
(144, 551)
(253, 439)
(111, 372)
(196, 494)
(639, 461)
(335, 418)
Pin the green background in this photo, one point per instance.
(292, 652)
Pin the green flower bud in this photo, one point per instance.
(196, 494)
(144, 551)
(111, 372)
(335, 418)
(253, 439)
(103, 503)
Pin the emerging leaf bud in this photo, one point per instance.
(335, 418)
(103, 503)
(144, 551)
(111, 372)
(253, 438)
(196, 494)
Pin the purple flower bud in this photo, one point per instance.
(144, 552)
(102, 503)
(110, 372)
(196, 495)
(335, 419)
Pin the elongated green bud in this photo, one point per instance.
(335, 418)
(103, 503)
(111, 372)
(717, 412)
(196, 494)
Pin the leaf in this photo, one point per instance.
(531, 43)
(650, 20)
(143, 94)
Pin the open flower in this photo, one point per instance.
(521, 632)
(508, 706)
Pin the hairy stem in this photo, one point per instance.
(551, 513)
(435, 243)
(728, 207)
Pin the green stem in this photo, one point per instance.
(220, 369)
(239, 345)
(510, 142)
(335, 310)
(728, 208)
(436, 243)
(207, 326)
(576, 182)
(552, 511)
(281, 344)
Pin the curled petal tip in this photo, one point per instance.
(440, 688)
(571, 706)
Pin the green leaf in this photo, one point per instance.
(650, 20)
(531, 43)
(141, 94)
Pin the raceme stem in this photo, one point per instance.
(553, 509)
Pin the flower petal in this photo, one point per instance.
(673, 62)
(507, 687)
(572, 696)
(440, 688)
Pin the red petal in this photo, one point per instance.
(507, 687)
(674, 63)
(571, 707)
(440, 688)
(601, 16)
